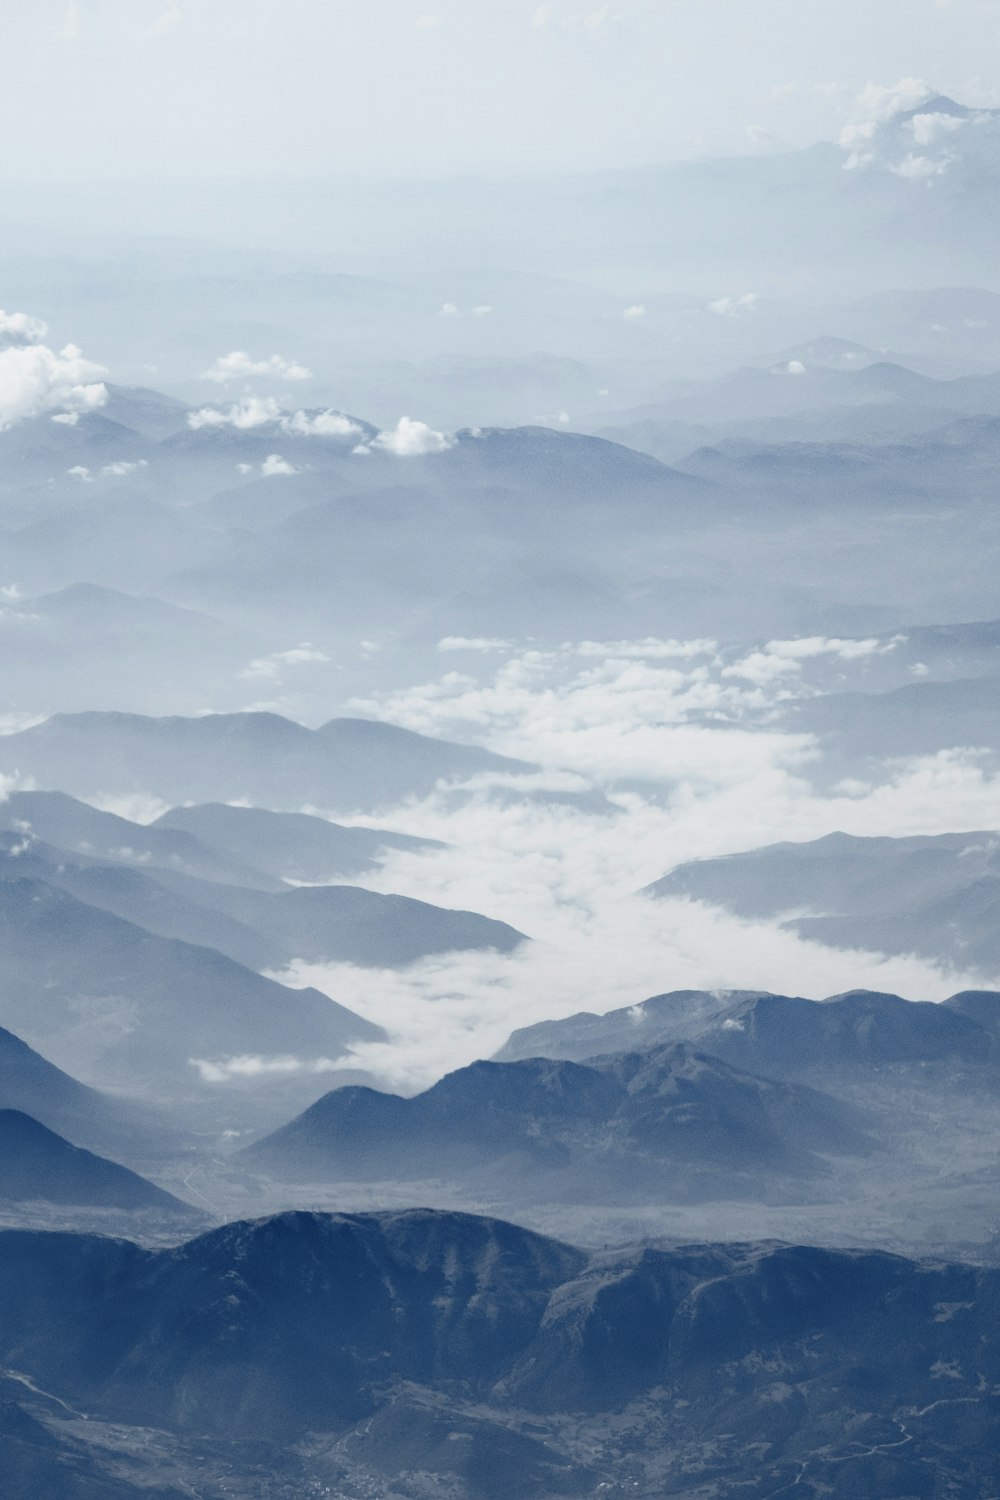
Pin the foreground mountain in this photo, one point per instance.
(437, 1354)
(667, 1121)
(261, 758)
(937, 896)
(35, 1163)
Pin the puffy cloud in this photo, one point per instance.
(35, 380)
(264, 411)
(252, 411)
(80, 471)
(876, 104)
(411, 439)
(734, 307)
(239, 365)
(928, 129)
(452, 310)
(781, 658)
(123, 467)
(635, 313)
(920, 168)
(320, 424)
(20, 328)
(274, 465)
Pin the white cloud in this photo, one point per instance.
(35, 380)
(929, 128)
(21, 328)
(635, 313)
(80, 471)
(270, 668)
(239, 365)
(172, 13)
(734, 307)
(320, 424)
(781, 658)
(274, 465)
(411, 439)
(264, 411)
(252, 411)
(452, 310)
(920, 168)
(123, 467)
(473, 643)
(428, 23)
(876, 104)
(70, 29)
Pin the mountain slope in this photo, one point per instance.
(35, 1163)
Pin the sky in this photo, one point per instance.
(403, 88)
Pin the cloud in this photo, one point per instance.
(35, 379)
(876, 104)
(270, 668)
(928, 129)
(172, 13)
(920, 168)
(239, 365)
(252, 411)
(274, 465)
(635, 313)
(264, 411)
(70, 29)
(734, 307)
(781, 658)
(473, 643)
(411, 439)
(123, 467)
(20, 328)
(428, 23)
(452, 310)
(321, 424)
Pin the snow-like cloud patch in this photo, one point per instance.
(35, 380)
(239, 365)
(410, 439)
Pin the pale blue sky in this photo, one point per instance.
(397, 87)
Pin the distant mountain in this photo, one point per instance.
(148, 412)
(347, 764)
(673, 1017)
(37, 1164)
(320, 924)
(937, 896)
(851, 1036)
(35, 1087)
(291, 846)
(918, 719)
(855, 1035)
(83, 830)
(126, 1008)
(461, 1344)
(671, 1119)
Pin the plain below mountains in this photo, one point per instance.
(362, 1349)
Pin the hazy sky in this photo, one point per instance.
(396, 87)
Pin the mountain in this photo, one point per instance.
(673, 1017)
(91, 833)
(918, 719)
(258, 757)
(937, 896)
(31, 1085)
(37, 1164)
(672, 1119)
(290, 846)
(856, 1035)
(345, 924)
(126, 1008)
(367, 1343)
